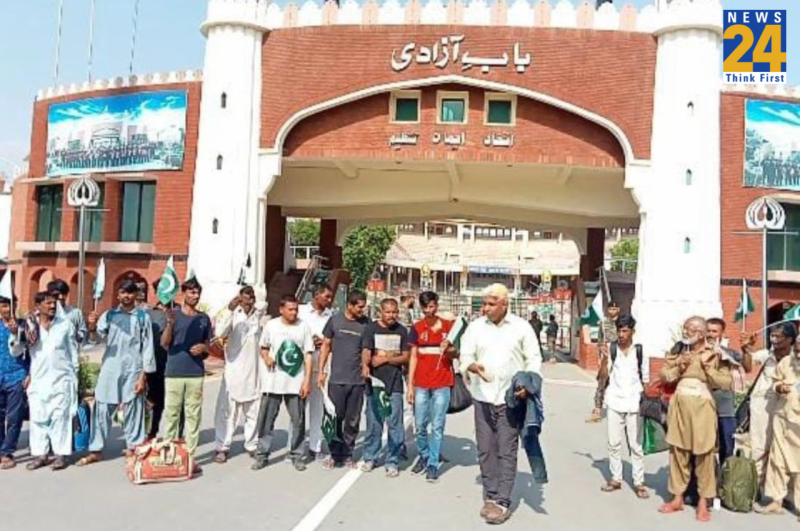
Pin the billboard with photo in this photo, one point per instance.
(141, 131)
(772, 144)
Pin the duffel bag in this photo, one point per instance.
(739, 484)
(160, 461)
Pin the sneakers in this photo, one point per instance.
(299, 465)
(419, 466)
(432, 475)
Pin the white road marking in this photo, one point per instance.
(571, 383)
(323, 508)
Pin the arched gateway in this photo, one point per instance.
(557, 117)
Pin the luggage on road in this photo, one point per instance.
(739, 484)
(160, 461)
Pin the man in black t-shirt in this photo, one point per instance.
(342, 346)
(386, 350)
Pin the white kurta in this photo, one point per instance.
(240, 392)
(242, 362)
(316, 322)
(53, 391)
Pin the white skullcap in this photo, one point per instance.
(498, 291)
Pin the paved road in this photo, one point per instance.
(278, 498)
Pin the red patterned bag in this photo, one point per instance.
(160, 461)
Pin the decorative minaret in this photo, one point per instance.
(226, 202)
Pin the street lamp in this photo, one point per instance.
(82, 193)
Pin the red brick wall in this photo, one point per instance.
(543, 134)
(741, 255)
(610, 73)
(172, 209)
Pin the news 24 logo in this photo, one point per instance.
(754, 46)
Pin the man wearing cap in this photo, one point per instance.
(495, 347)
(609, 336)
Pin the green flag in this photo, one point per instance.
(329, 431)
(457, 331)
(793, 314)
(289, 358)
(594, 313)
(746, 304)
(168, 285)
(383, 402)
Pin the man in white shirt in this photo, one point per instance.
(316, 314)
(624, 372)
(286, 348)
(240, 393)
(495, 347)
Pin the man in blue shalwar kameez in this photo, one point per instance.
(128, 357)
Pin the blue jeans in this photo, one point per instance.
(12, 414)
(373, 443)
(430, 406)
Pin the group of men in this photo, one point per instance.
(150, 354)
(701, 377)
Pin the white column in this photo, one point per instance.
(233, 193)
(674, 283)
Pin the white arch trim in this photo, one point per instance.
(621, 137)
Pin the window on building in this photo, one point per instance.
(138, 211)
(452, 107)
(48, 218)
(94, 219)
(219, 162)
(783, 250)
(405, 106)
(687, 246)
(688, 177)
(223, 101)
(500, 109)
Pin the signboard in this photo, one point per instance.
(128, 132)
(754, 46)
(448, 50)
(772, 149)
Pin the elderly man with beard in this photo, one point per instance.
(692, 416)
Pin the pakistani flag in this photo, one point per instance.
(189, 273)
(594, 313)
(168, 285)
(380, 395)
(100, 281)
(457, 331)
(746, 304)
(289, 358)
(793, 314)
(329, 430)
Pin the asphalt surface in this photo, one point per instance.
(232, 496)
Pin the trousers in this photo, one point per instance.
(184, 395)
(680, 471)
(268, 412)
(12, 415)
(348, 401)
(132, 425)
(226, 419)
(497, 438)
(624, 425)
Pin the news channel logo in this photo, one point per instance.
(754, 46)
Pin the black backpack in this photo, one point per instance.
(639, 356)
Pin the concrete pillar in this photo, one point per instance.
(275, 246)
(327, 243)
(592, 261)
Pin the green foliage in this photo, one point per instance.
(304, 232)
(626, 254)
(365, 248)
(88, 372)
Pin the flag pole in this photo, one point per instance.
(133, 35)
(58, 40)
(764, 287)
(91, 38)
(744, 305)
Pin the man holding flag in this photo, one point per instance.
(186, 338)
(385, 350)
(287, 348)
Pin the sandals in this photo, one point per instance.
(60, 463)
(611, 486)
(641, 492)
(7, 463)
(89, 459)
(38, 463)
(221, 458)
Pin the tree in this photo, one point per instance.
(625, 255)
(365, 248)
(304, 232)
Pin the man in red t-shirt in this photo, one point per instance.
(430, 377)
